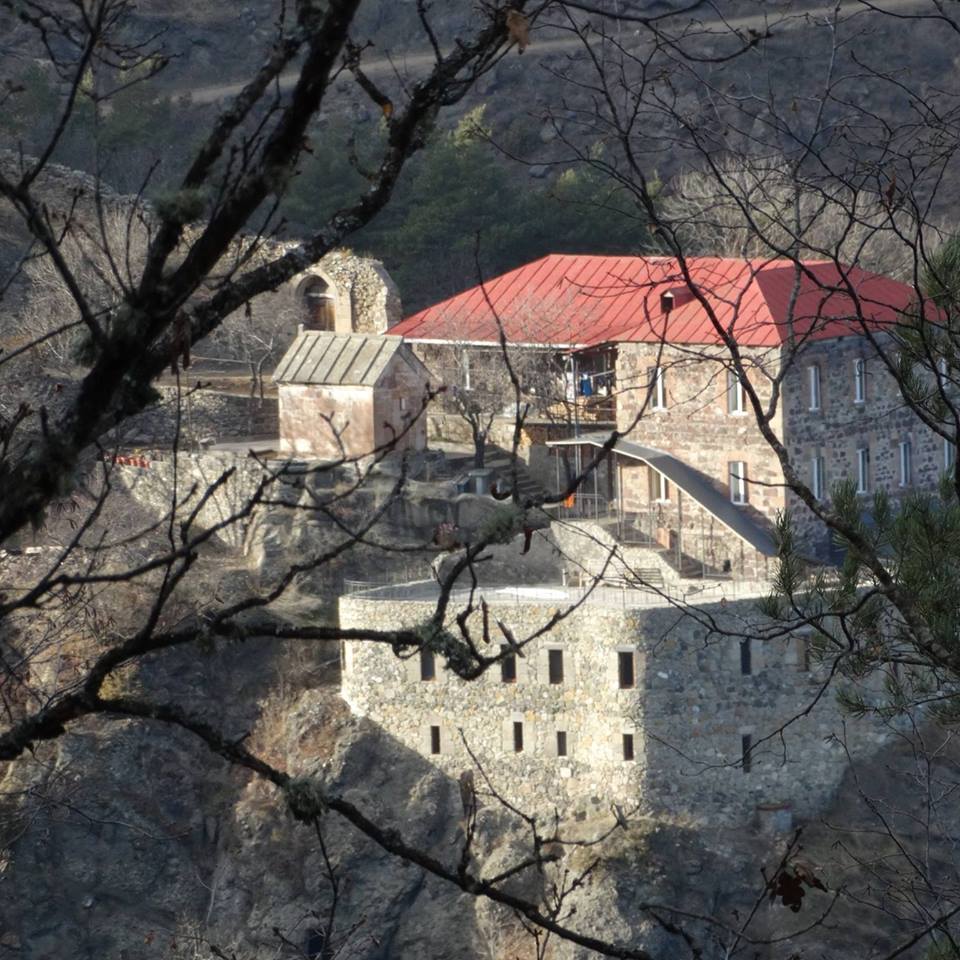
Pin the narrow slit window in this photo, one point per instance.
(508, 665)
(628, 746)
(906, 463)
(863, 469)
(625, 669)
(658, 393)
(813, 385)
(949, 454)
(817, 478)
(735, 400)
(434, 739)
(803, 654)
(555, 666)
(428, 664)
(518, 736)
(738, 482)
(561, 743)
(859, 380)
(746, 752)
(746, 657)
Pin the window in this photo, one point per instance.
(628, 746)
(943, 372)
(434, 740)
(949, 454)
(659, 487)
(863, 469)
(746, 747)
(555, 666)
(802, 647)
(561, 743)
(859, 380)
(508, 665)
(625, 669)
(738, 482)
(746, 658)
(466, 371)
(813, 385)
(735, 403)
(518, 736)
(658, 393)
(817, 478)
(428, 664)
(906, 463)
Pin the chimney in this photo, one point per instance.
(666, 301)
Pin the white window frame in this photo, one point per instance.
(736, 405)
(949, 454)
(906, 463)
(738, 482)
(863, 469)
(661, 486)
(943, 372)
(817, 476)
(658, 393)
(859, 380)
(466, 371)
(813, 386)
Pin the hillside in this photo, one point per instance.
(520, 188)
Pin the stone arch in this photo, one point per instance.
(317, 301)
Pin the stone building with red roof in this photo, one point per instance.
(681, 357)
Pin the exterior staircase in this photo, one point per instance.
(499, 461)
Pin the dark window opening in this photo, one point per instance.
(517, 736)
(555, 665)
(428, 664)
(508, 665)
(318, 307)
(625, 665)
(746, 745)
(434, 740)
(746, 658)
(314, 946)
(628, 746)
(561, 743)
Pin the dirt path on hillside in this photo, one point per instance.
(793, 17)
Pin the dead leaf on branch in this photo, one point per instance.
(789, 884)
(518, 27)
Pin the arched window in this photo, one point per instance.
(318, 305)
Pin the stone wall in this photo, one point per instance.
(688, 712)
(306, 431)
(208, 414)
(696, 426)
(841, 425)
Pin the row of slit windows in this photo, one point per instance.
(626, 668)
(561, 741)
(562, 744)
(818, 485)
(626, 663)
(859, 382)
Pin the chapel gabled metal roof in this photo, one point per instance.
(347, 359)
(568, 300)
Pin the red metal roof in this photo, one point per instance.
(573, 300)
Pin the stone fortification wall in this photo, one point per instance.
(689, 710)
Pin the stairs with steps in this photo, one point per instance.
(500, 463)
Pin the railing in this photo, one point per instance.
(621, 597)
(587, 506)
